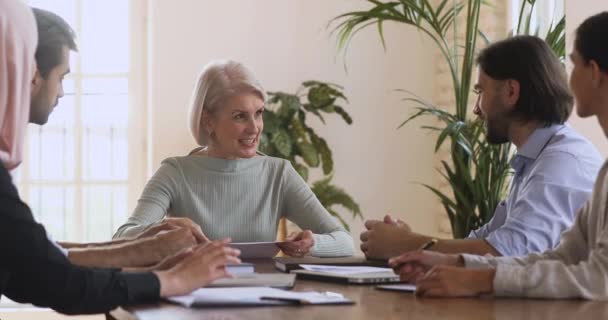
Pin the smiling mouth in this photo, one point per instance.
(248, 142)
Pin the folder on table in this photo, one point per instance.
(257, 296)
(286, 264)
(273, 280)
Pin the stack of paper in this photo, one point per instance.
(274, 280)
(344, 270)
(221, 297)
(241, 268)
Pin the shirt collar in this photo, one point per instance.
(534, 145)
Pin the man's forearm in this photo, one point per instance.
(101, 257)
(75, 245)
(134, 253)
(471, 246)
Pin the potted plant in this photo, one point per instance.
(476, 171)
(287, 135)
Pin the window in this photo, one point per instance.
(81, 170)
(543, 15)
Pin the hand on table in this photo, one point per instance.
(197, 267)
(388, 238)
(299, 243)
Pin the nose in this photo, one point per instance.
(253, 125)
(477, 108)
(60, 92)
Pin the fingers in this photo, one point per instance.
(177, 222)
(298, 243)
(408, 257)
(365, 235)
(371, 223)
(364, 247)
(430, 285)
(199, 235)
(292, 236)
(388, 219)
(307, 234)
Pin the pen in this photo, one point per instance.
(283, 299)
(428, 244)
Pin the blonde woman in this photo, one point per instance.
(225, 185)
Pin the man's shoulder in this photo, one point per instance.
(568, 157)
(569, 143)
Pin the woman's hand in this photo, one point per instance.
(197, 268)
(413, 265)
(447, 281)
(298, 244)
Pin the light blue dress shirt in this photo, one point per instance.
(554, 175)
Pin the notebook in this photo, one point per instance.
(286, 264)
(256, 296)
(241, 268)
(347, 274)
(274, 280)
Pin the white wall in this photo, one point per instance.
(284, 43)
(576, 13)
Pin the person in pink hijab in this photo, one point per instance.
(32, 269)
(17, 67)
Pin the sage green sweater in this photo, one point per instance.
(242, 199)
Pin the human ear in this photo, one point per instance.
(597, 76)
(512, 88)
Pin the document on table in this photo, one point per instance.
(222, 297)
(256, 250)
(344, 270)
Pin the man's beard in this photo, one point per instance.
(496, 131)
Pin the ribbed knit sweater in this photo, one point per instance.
(242, 199)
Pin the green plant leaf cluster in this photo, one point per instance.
(477, 171)
(331, 196)
(287, 135)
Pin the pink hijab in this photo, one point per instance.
(18, 39)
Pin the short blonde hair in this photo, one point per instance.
(218, 81)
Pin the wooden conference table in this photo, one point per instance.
(377, 304)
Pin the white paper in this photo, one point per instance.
(250, 295)
(256, 250)
(344, 270)
(254, 295)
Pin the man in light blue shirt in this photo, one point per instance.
(523, 98)
(554, 172)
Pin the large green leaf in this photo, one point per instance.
(290, 104)
(282, 142)
(339, 110)
(326, 156)
(298, 129)
(308, 153)
(272, 123)
(320, 96)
